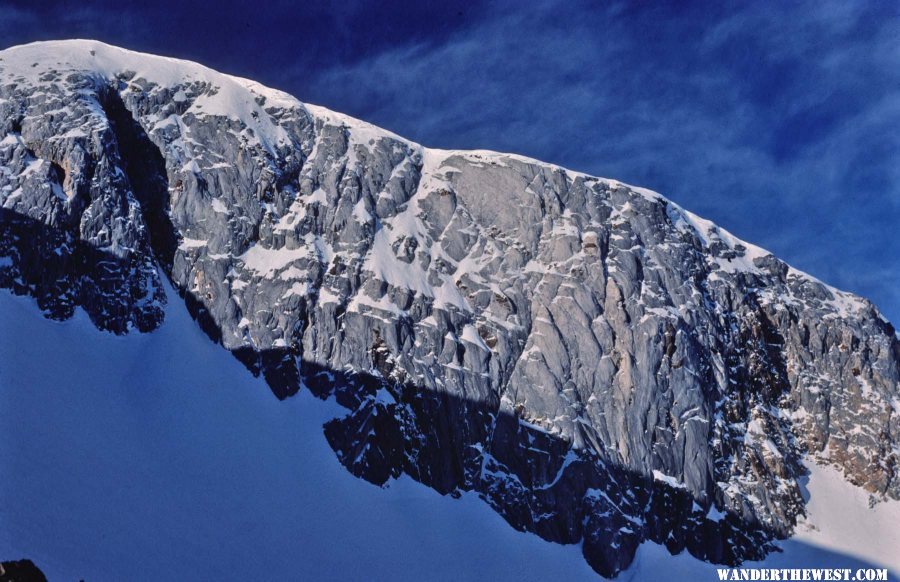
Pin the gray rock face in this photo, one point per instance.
(602, 366)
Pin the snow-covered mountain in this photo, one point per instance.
(598, 364)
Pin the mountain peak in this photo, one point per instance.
(599, 364)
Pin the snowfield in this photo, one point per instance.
(148, 455)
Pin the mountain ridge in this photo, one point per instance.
(329, 116)
(505, 301)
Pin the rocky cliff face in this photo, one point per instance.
(600, 365)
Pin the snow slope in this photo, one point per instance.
(159, 454)
(840, 531)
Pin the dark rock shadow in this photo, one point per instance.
(146, 170)
(20, 571)
(535, 480)
(63, 272)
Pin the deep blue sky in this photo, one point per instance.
(778, 120)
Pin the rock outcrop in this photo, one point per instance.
(602, 366)
(20, 571)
